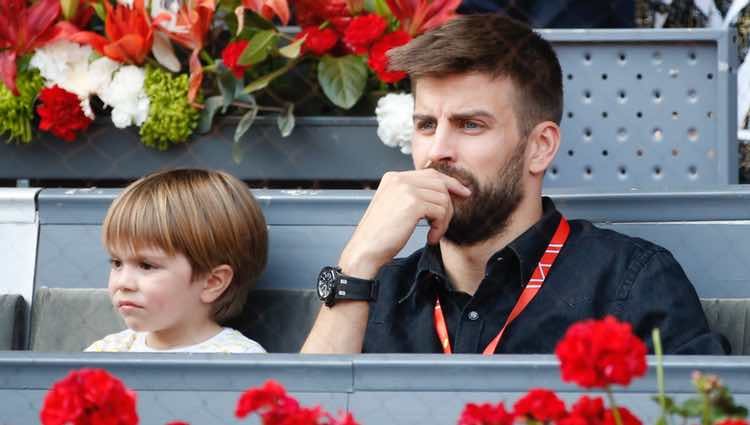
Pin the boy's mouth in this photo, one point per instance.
(127, 304)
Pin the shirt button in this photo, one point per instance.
(473, 315)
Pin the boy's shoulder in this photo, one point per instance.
(230, 341)
(116, 342)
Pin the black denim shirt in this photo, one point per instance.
(598, 272)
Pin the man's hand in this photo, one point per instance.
(400, 202)
(402, 199)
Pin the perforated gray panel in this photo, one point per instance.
(646, 109)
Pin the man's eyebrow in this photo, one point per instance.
(421, 117)
(478, 113)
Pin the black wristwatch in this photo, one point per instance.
(333, 286)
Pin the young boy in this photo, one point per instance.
(186, 246)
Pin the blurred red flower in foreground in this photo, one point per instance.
(89, 396)
(378, 60)
(597, 353)
(541, 405)
(485, 414)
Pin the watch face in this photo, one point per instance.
(325, 283)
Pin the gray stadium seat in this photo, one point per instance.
(12, 322)
(68, 320)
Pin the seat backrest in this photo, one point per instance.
(12, 322)
(71, 319)
(731, 318)
(65, 319)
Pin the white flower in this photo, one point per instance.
(127, 97)
(395, 125)
(68, 66)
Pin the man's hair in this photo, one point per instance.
(209, 216)
(497, 46)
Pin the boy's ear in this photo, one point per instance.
(216, 282)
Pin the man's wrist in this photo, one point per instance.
(358, 266)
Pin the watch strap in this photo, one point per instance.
(352, 288)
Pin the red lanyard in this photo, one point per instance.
(529, 292)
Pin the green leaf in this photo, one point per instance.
(259, 84)
(661, 421)
(211, 105)
(382, 9)
(691, 408)
(245, 123)
(241, 96)
(238, 152)
(292, 50)
(227, 86)
(253, 19)
(342, 79)
(285, 121)
(99, 10)
(258, 48)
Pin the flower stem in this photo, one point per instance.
(613, 405)
(206, 57)
(656, 337)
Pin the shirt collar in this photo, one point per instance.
(527, 248)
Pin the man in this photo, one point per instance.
(502, 270)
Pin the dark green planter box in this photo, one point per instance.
(319, 148)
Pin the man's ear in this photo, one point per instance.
(216, 282)
(543, 144)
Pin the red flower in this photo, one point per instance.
(485, 414)
(346, 419)
(25, 26)
(363, 31)
(418, 16)
(586, 411)
(540, 404)
(627, 417)
(270, 395)
(178, 423)
(597, 353)
(732, 421)
(62, 116)
(89, 396)
(269, 8)
(315, 12)
(129, 33)
(318, 41)
(231, 54)
(378, 61)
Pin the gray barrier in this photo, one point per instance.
(707, 231)
(378, 389)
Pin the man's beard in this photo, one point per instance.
(485, 213)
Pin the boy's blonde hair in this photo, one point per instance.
(208, 216)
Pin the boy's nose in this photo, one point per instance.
(122, 280)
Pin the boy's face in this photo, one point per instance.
(154, 292)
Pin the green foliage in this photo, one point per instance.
(342, 79)
(171, 119)
(17, 112)
(257, 50)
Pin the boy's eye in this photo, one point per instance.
(146, 266)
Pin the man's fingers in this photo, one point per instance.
(452, 184)
(438, 216)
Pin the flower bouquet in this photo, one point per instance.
(170, 67)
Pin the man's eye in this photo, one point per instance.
(115, 263)
(472, 125)
(425, 125)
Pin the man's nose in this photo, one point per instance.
(443, 146)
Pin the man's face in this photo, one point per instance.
(465, 127)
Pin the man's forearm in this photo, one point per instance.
(339, 329)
